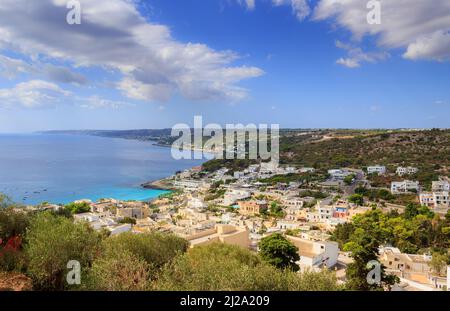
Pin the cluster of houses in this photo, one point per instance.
(400, 171)
(406, 186)
(238, 215)
(110, 214)
(414, 271)
(438, 198)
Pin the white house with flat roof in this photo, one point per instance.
(437, 199)
(409, 170)
(315, 255)
(376, 169)
(338, 174)
(399, 187)
(441, 185)
(232, 196)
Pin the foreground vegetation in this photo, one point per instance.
(38, 246)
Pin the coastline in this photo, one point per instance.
(164, 184)
(160, 184)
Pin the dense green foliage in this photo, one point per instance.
(78, 208)
(156, 249)
(416, 230)
(275, 210)
(314, 194)
(127, 220)
(122, 271)
(53, 241)
(358, 199)
(12, 223)
(364, 249)
(294, 177)
(279, 252)
(227, 267)
(231, 165)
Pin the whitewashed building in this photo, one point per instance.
(398, 187)
(232, 196)
(338, 174)
(441, 185)
(438, 199)
(406, 170)
(315, 255)
(376, 169)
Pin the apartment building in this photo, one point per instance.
(401, 171)
(232, 196)
(288, 225)
(398, 187)
(315, 255)
(191, 184)
(376, 169)
(292, 201)
(252, 208)
(441, 185)
(411, 268)
(437, 199)
(338, 174)
(426, 199)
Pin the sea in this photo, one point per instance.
(62, 168)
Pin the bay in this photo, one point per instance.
(61, 168)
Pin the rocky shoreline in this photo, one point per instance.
(161, 184)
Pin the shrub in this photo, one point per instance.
(121, 272)
(231, 268)
(51, 242)
(155, 248)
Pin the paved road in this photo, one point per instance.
(360, 180)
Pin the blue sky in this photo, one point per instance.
(155, 63)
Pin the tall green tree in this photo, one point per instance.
(279, 252)
(364, 250)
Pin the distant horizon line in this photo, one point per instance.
(283, 129)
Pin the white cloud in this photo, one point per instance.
(114, 35)
(135, 89)
(32, 94)
(63, 75)
(96, 102)
(249, 4)
(420, 27)
(300, 8)
(356, 56)
(440, 102)
(11, 67)
(348, 62)
(435, 46)
(35, 94)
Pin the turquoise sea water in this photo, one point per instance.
(63, 168)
